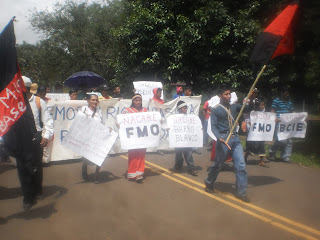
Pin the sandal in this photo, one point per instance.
(262, 164)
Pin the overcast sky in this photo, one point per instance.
(22, 10)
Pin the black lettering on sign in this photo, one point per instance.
(155, 129)
(261, 127)
(268, 127)
(129, 132)
(143, 133)
(299, 127)
(282, 127)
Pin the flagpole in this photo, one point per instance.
(244, 104)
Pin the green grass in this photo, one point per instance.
(305, 152)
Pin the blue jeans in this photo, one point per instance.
(285, 147)
(222, 152)
(187, 153)
(205, 134)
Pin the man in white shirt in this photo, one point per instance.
(31, 181)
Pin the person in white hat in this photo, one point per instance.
(31, 181)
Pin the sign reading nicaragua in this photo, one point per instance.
(262, 126)
(185, 131)
(139, 130)
(292, 125)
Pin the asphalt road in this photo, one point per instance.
(284, 203)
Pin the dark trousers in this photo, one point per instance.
(30, 172)
(187, 153)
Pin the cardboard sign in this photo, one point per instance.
(262, 126)
(292, 125)
(89, 138)
(185, 131)
(139, 130)
(145, 88)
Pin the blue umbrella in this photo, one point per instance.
(84, 79)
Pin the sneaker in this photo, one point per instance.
(139, 179)
(196, 151)
(27, 206)
(271, 157)
(286, 159)
(193, 172)
(208, 188)
(243, 198)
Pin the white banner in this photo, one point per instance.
(58, 97)
(214, 101)
(145, 88)
(262, 126)
(89, 138)
(292, 125)
(63, 113)
(139, 130)
(185, 131)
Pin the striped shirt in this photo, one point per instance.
(282, 106)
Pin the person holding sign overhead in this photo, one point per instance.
(91, 111)
(222, 120)
(136, 157)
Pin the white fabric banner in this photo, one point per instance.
(185, 131)
(292, 125)
(63, 113)
(58, 97)
(214, 101)
(139, 130)
(89, 138)
(145, 88)
(262, 126)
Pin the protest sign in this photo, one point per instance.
(58, 96)
(185, 131)
(214, 101)
(63, 114)
(262, 126)
(139, 130)
(89, 138)
(209, 130)
(292, 125)
(145, 88)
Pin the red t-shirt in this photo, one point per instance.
(207, 111)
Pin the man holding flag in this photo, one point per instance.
(17, 125)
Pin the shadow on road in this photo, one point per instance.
(104, 177)
(10, 193)
(41, 212)
(6, 167)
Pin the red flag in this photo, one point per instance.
(16, 119)
(277, 38)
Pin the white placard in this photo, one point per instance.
(292, 125)
(209, 130)
(262, 126)
(214, 101)
(58, 97)
(63, 114)
(89, 138)
(185, 131)
(145, 88)
(139, 130)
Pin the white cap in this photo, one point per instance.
(27, 81)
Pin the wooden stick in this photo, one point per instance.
(244, 104)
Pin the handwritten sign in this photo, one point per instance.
(89, 138)
(145, 88)
(292, 125)
(139, 130)
(262, 126)
(185, 131)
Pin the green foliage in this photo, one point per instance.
(203, 43)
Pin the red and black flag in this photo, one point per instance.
(16, 118)
(277, 38)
